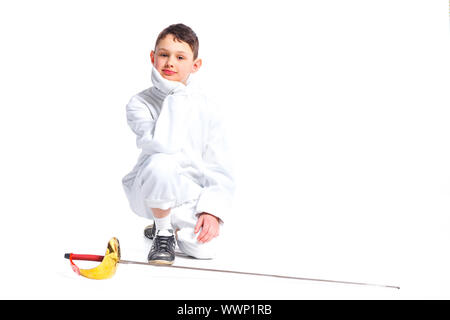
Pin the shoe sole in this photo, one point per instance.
(161, 262)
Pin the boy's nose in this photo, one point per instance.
(170, 61)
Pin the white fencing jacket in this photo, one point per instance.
(174, 118)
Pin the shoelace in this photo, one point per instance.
(164, 243)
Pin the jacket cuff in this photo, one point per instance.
(213, 202)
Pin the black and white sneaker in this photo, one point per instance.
(150, 231)
(163, 249)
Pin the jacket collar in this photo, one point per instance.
(165, 87)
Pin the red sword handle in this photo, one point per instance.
(87, 257)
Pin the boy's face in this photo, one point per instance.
(174, 60)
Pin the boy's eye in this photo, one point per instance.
(166, 55)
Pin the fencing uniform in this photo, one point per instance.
(184, 164)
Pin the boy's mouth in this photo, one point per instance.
(168, 72)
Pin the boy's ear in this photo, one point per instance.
(197, 64)
(152, 57)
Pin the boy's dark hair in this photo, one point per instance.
(181, 32)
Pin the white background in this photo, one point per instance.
(339, 120)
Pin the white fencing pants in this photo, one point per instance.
(163, 183)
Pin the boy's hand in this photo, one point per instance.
(209, 225)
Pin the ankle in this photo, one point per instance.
(163, 224)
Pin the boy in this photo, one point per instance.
(182, 179)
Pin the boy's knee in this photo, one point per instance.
(204, 251)
(187, 242)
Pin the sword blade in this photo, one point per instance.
(262, 274)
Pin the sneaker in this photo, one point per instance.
(150, 231)
(163, 250)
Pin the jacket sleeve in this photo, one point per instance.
(219, 185)
(154, 133)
